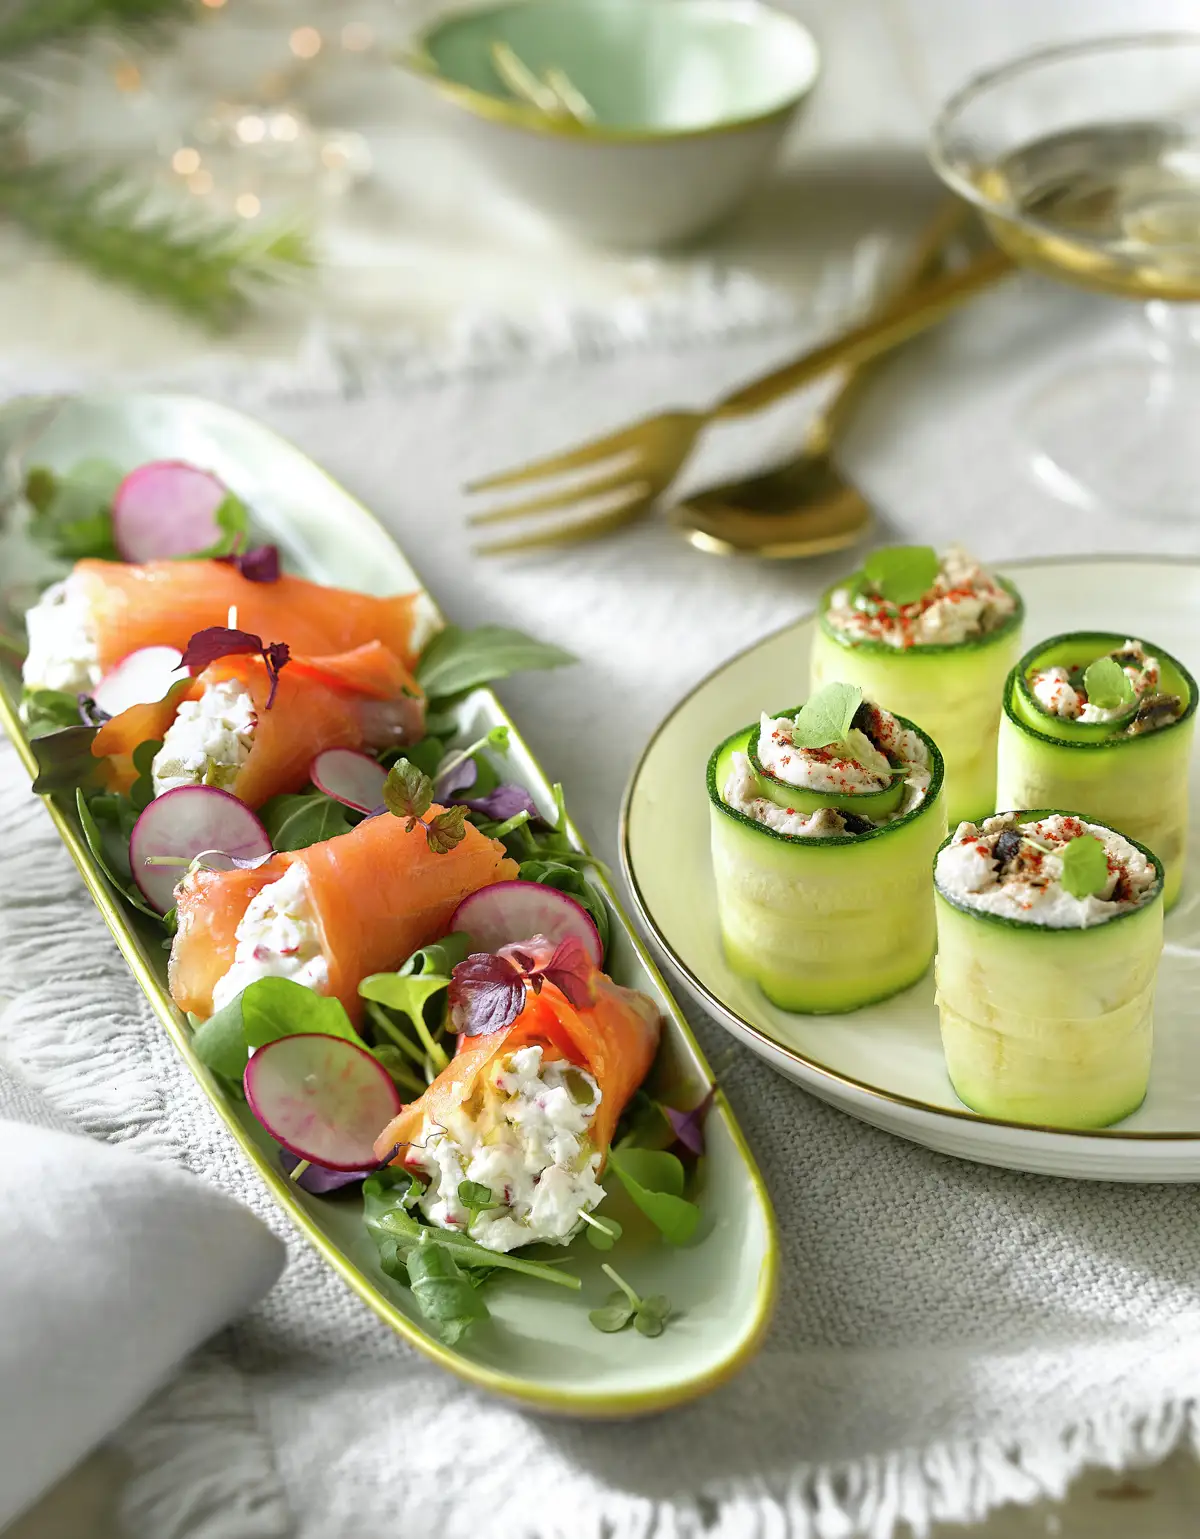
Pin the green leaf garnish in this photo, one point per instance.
(141, 792)
(602, 1233)
(649, 1315)
(826, 716)
(424, 976)
(654, 1179)
(220, 1041)
(476, 1197)
(441, 1291)
(615, 1315)
(64, 759)
(456, 660)
(232, 518)
(1107, 685)
(407, 792)
(1084, 866)
(101, 856)
(446, 830)
(553, 872)
(72, 511)
(280, 1007)
(901, 574)
(47, 710)
(294, 821)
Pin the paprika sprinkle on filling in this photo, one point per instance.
(962, 603)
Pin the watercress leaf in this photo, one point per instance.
(475, 1196)
(902, 573)
(487, 993)
(280, 1007)
(64, 759)
(446, 830)
(407, 792)
(614, 1316)
(654, 1179)
(220, 1042)
(826, 716)
(295, 821)
(1107, 684)
(688, 1126)
(455, 660)
(441, 1291)
(603, 1238)
(571, 971)
(1084, 866)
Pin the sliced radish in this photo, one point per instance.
(352, 778)
(142, 678)
(164, 509)
(184, 823)
(513, 911)
(323, 1098)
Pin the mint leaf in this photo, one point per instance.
(902, 573)
(280, 1007)
(654, 1179)
(826, 716)
(1084, 866)
(1107, 684)
(456, 660)
(442, 1293)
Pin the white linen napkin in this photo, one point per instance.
(113, 1266)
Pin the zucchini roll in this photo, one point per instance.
(1103, 725)
(824, 825)
(1049, 935)
(933, 638)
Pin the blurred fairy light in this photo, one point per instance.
(251, 129)
(185, 160)
(305, 42)
(357, 37)
(248, 205)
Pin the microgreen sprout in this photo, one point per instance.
(649, 1315)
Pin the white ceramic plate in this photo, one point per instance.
(884, 1064)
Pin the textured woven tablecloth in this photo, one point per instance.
(948, 1336)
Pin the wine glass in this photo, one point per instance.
(1084, 162)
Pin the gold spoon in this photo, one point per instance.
(805, 507)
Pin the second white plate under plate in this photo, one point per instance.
(884, 1063)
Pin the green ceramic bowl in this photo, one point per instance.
(691, 99)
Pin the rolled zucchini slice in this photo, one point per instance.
(953, 691)
(1137, 784)
(825, 924)
(1049, 1026)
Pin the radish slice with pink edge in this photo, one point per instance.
(514, 911)
(183, 823)
(352, 778)
(322, 1098)
(141, 678)
(164, 509)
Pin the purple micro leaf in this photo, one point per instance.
(516, 952)
(501, 804)
(460, 777)
(689, 1126)
(90, 713)
(275, 656)
(258, 565)
(215, 642)
(319, 1179)
(487, 993)
(572, 972)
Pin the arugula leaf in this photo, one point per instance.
(456, 660)
(295, 821)
(442, 1293)
(553, 873)
(73, 511)
(388, 1221)
(96, 844)
(902, 573)
(1084, 866)
(64, 759)
(1107, 685)
(280, 1007)
(654, 1179)
(826, 716)
(220, 1041)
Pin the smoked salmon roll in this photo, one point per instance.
(529, 1113)
(327, 916)
(217, 729)
(83, 626)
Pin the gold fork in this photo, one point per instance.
(647, 455)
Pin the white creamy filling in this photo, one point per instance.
(278, 937)
(533, 1155)
(964, 603)
(62, 643)
(1053, 691)
(821, 769)
(1030, 888)
(741, 793)
(209, 740)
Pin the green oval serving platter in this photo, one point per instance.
(539, 1347)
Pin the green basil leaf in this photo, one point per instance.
(1084, 866)
(1107, 684)
(442, 1293)
(456, 660)
(826, 716)
(654, 1179)
(902, 573)
(280, 1007)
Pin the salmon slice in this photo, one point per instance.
(377, 894)
(361, 699)
(614, 1040)
(164, 603)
